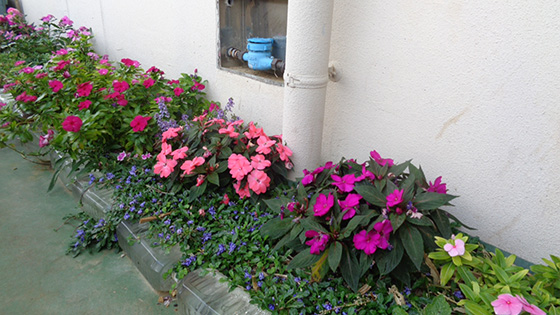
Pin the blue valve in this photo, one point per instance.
(259, 55)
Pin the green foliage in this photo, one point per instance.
(345, 207)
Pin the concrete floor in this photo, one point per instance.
(36, 277)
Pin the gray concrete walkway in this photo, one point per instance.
(36, 277)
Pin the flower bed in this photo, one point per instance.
(348, 237)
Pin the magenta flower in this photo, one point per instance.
(258, 181)
(377, 158)
(84, 105)
(46, 139)
(148, 82)
(47, 18)
(178, 91)
(318, 241)
(139, 123)
(66, 21)
(323, 205)
(55, 85)
(308, 178)
(121, 156)
(394, 198)
(384, 229)
(120, 86)
(103, 71)
(367, 241)
(348, 205)
(506, 304)
(344, 183)
(72, 124)
(457, 249)
(84, 89)
(129, 62)
(197, 86)
(437, 186)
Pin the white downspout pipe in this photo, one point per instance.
(308, 37)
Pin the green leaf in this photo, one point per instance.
(276, 228)
(431, 200)
(447, 272)
(473, 308)
(350, 269)
(311, 224)
(388, 260)
(468, 292)
(352, 225)
(438, 306)
(399, 311)
(214, 178)
(423, 221)
(371, 194)
(335, 254)
(275, 204)
(442, 222)
(500, 274)
(400, 168)
(419, 176)
(396, 220)
(466, 274)
(303, 259)
(413, 244)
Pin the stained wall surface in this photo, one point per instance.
(469, 90)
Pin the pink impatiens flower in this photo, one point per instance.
(437, 186)
(394, 198)
(377, 158)
(180, 153)
(384, 229)
(259, 162)
(242, 191)
(344, 183)
(164, 167)
(348, 205)
(189, 165)
(506, 304)
(46, 139)
(264, 143)
(139, 123)
(72, 124)
(55, 85)
(254, 132)
(230, 131)
(318, 241)
(239, 166)
(366, 241)
(170, 133)
(455, 250)
(323, 205)
(258, 181)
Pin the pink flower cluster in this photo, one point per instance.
(507, 304)
(165, 165)
(378, 237)
(25, 98)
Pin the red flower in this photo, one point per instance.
(139, 123)
(84, 89)
(84, 105)
(72, 124)
(120, 86)
(149, 82)
(178, 91)
(130, 62)
(55, 85)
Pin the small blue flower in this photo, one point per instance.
(261, 276)
(206, 237)
(110, 176)
(190, 222)
(271, 307)
(406, 290)
(259, 284)
(458, 294)
(167, 222)
(248, 275)
(179, 231)
(221, 249)
(126, 216)
(232, 247)
(200, 228)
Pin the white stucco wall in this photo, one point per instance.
(469, 90)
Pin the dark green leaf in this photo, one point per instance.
(335, 254)
(423, 221)
(388, 260)
(371, 194)
(350, 269)
(276, 228)
(398, 169)
(354, 222)
(413, 244)
(431, 200)
(303, 259)
(442, 222)
(310, 224)
(396, 220)
(214, 178)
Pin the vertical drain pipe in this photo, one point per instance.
(308, 37)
